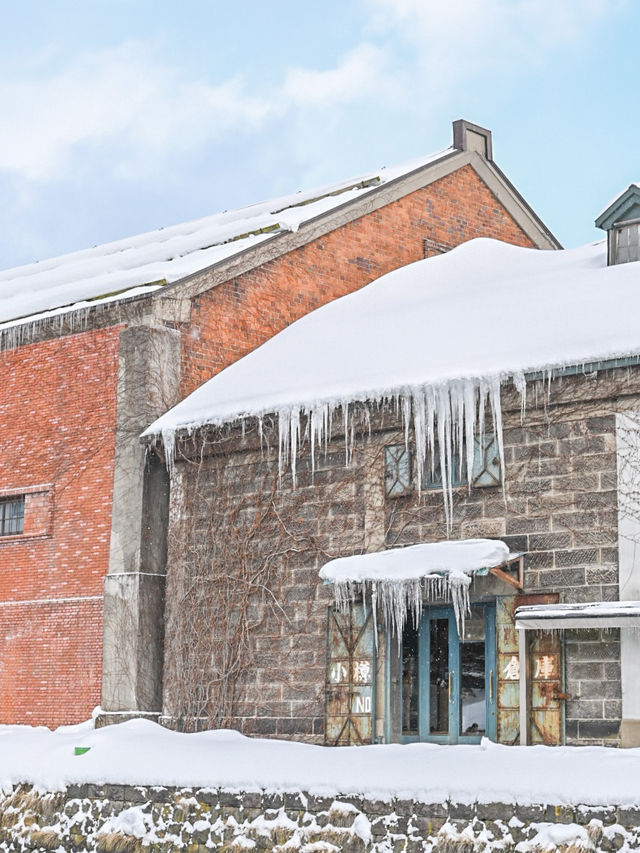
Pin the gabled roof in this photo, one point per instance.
(167, 255)
(624, 206)
(154, 263)
(483, 312)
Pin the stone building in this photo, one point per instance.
(96, 344)
(374, 515)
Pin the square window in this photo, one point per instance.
(486, 466)
(11, 516)
(397, 470)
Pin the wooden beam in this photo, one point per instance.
(503, 576)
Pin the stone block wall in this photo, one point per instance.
(559, 506)
(128, 819)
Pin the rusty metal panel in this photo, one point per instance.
(545, 674)
(350, 677)
(545, 667)
(508, 672)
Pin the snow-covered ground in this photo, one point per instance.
(142, 753)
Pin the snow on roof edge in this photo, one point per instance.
(261, 210)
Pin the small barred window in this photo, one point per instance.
(11, 516)
(397, 469)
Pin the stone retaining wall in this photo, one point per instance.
(126, 819)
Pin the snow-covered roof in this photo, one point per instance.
(170, 254)
(593, 614)
(466, 556)
(481, 313)
(616, 198)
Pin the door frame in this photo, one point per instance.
(424, 637)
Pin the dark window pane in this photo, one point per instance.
(410, 680)
(433, 480)
(439, 677)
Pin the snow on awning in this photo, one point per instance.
(595, 614)
(400, 579)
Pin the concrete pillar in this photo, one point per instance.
(148, 384)
(628, 465)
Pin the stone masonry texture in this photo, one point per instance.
(100, 818)
(559, 507)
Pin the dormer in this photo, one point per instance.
(621, 221)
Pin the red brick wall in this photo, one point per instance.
(234, 318)
(57, 426)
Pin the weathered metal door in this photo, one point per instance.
(350, 705)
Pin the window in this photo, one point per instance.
(433, 247)
(486, 466)
(397, 470)
(434, 480)
(11, 516)
(627, 243)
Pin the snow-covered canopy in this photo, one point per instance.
(454, 557)
(169, 254)
(399, 580)
(592, 614)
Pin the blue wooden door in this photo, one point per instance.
(451, 695)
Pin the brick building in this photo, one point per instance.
(96, 344)
(373, 516)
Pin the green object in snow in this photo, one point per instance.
(80, 750)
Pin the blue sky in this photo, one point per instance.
(120, 116)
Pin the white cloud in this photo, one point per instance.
(127, 97)
(458, 40)
(360, 74)
(129, 101)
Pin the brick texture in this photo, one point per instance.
(239, 315)
(57, 418)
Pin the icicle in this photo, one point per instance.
(345, 421)
(496, 414)
(469, 422)
(294, 430)
(169, 443)
(399, 601)
(520, 384)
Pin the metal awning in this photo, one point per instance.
(596, 614)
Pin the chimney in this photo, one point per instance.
(472, 137)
